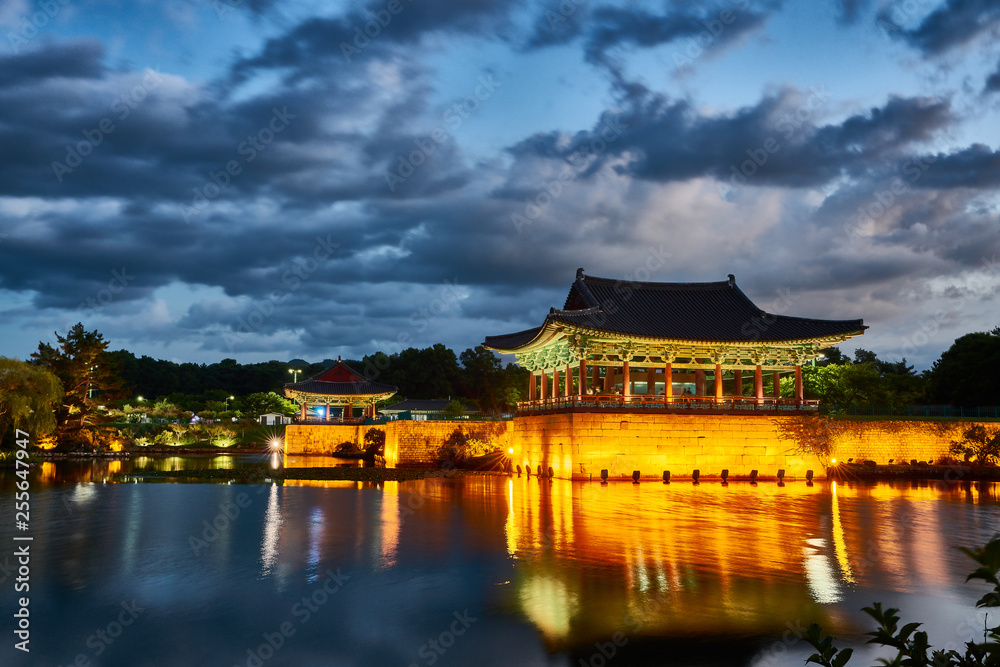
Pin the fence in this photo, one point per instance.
(945, 411)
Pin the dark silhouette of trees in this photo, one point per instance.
(967, 373)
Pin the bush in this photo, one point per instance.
(347, 447)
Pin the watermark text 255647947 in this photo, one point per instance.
(22, 551)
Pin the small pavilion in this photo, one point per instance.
(339, 386)
(619, 343)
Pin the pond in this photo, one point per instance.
(483, 570)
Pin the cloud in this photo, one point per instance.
(955, 24)
(993, 81)
(850, 10)
(777, 141)
(59, 60)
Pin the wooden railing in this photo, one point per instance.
(678, 403)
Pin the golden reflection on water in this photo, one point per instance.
(688, 559)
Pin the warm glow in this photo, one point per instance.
(46, 442)
(510, 451)
(833, 460)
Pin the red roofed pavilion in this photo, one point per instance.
(339, 386)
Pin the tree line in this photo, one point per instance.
(965, 375)
(78, 384)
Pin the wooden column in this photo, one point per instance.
(541, 385)
(327, 411)
(568, 391)
(304, 410)
(531, 386)
(798, 385)
(777, 384)
(626, 381)
(582, 389)
(718, 381)
(668, 383)
(609, 378)
(737, 383)
(595, 381)
(699, 382)
(758, 384)
(651, 380)
(555, 383)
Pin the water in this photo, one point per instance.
(480, 570)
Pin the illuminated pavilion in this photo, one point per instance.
(622, 344)
(339, 386)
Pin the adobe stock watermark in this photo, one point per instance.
(557, 19)
(254, 144)
(31, 24)
(420, 319)
(758, 325)
(695, 46)
(436, 647)
(536, 204)
(93, 137)
(98, 302)
(104, 637)
(892, 19)
(929, 327)
(453, 117)
(372, 29)
(228, 512)
(865, 221)
(223, 8)
(302, 611)
(292, 279)
(788, 125)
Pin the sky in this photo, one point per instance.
(253, 179)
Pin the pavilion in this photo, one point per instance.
(622, 344)
(339, 386)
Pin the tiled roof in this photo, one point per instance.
(716, 312)
(355, 383)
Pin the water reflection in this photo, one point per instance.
(549, 568)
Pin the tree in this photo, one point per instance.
(454, 409)
(261, 403)
(967, 372)
(29, 395)
(979, 443)
(88, 374)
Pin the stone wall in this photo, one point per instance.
(579, 445)
(407, 443)
(901, 440)
(307, 439)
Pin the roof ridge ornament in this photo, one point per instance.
(579, 273)
(732, 280)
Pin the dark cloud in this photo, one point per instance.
(694, 28)
(316, 44)
(73, 60)
(850, 10)
(559, 24)
(993, 81)
(954, 24)
(714, 26)
(778, 139)
(976, 167)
